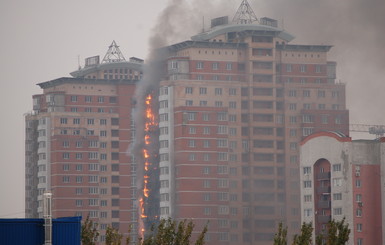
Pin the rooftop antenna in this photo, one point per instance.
(79, 62)
(203, 24)
(113, 54)
(245, 14)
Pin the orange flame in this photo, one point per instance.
(149, 122)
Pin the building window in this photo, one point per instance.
(66, 155)
(321, 93)
(318, 68)
(358, 183)
(218, 104)
(215, 66)
(292, 93)
(203, 103)
(65, 144)
(337, 211)
(306, 106)
(308, 212)
(191, 116)
(188, 90)
(229, 66)
(358, 212)
(307, 131)
(306, 93)
(337, 182)
(79, 203)
(288, 68)
(222, 129)
(360, 241)
(207, 211)
(324, 119)
(88, 99)
(202, 90)
(321, 106)
(191, 157)
(222, 116)
(100, 99)
(189, 102)
(74, 98)
(337, 167)
(292, 106)
(338, 119)
(232, 91)
(66, 179)
(93, 202)
(337, 196)
(308, 198)
(303, 68)
(307, 170)
(307, 184)
(164, 116)
(335, 94)
(218, 91)
(359, 227)
(191, 143)
(199, 65)
(63, 120)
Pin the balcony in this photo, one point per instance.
(323, 176)
(323, 218)
(324, 204)
(323, 189)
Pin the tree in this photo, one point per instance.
(280, 238)
(170, 232)
(337, 233)
(113, 237)
(305, 238)
(90, 232)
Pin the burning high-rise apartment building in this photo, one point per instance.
(218, 142)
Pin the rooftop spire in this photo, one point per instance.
(245, 14)
(113, 54)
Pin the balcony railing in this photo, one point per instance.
(323, 218)
(323, 189)
(323, 176)
(324, 204)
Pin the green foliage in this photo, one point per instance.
(170, 232)
(113, 237)
(337, 233)
(280, 238)
(90, 232)
(305, 238)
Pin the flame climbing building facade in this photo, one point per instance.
(236, 102)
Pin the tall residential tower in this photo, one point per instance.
(236, 102)
(77, 143)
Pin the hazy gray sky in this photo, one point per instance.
(42, 39)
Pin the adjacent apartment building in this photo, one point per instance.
(344, 178)
(77, 141)
(233, 109)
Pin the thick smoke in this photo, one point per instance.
(356, 30)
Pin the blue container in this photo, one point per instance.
(31, 231)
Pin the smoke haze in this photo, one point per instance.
(354, 27)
